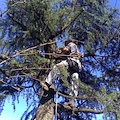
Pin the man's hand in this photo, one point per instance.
(65, 50)
(59, 51)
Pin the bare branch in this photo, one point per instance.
(20, 69)
(85, 110)
(18, 89)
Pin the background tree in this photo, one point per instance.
(30, 33)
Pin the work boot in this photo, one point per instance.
(71, 103)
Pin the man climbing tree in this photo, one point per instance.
(72, 63)
(31, 32)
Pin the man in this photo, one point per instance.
(72, 63)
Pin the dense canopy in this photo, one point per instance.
(31, 31)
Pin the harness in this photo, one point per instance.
(76, 56)
(72, 64)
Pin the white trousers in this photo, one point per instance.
(55, 73)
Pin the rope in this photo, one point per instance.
(56, 106)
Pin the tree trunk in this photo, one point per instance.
(46, 107)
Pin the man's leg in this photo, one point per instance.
(74, 85)
(74, 88)
(54, 73)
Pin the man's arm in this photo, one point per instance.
(65, 50)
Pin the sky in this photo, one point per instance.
(8, 111)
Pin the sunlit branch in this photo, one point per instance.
(54, 54)
(85, 55)
(25, 68)
(18, 53)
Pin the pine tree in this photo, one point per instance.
(30, 34)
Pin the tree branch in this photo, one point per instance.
(62, 94)
(64, 27)
(90, 54)
(18, 89)
(10, 6)
(109, 40)
(3, 57)
(85, 110)
(19, 23)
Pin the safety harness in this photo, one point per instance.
(73, 65)
(76, 56)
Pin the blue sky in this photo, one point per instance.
(8, 112)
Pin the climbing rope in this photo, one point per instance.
(56, 105)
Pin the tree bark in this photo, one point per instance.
(46, 107)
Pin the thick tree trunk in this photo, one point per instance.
(45, 111)
(46, 107)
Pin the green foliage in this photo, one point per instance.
(64, 75)
(25, 30)
(2, 101)
(2, 96)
